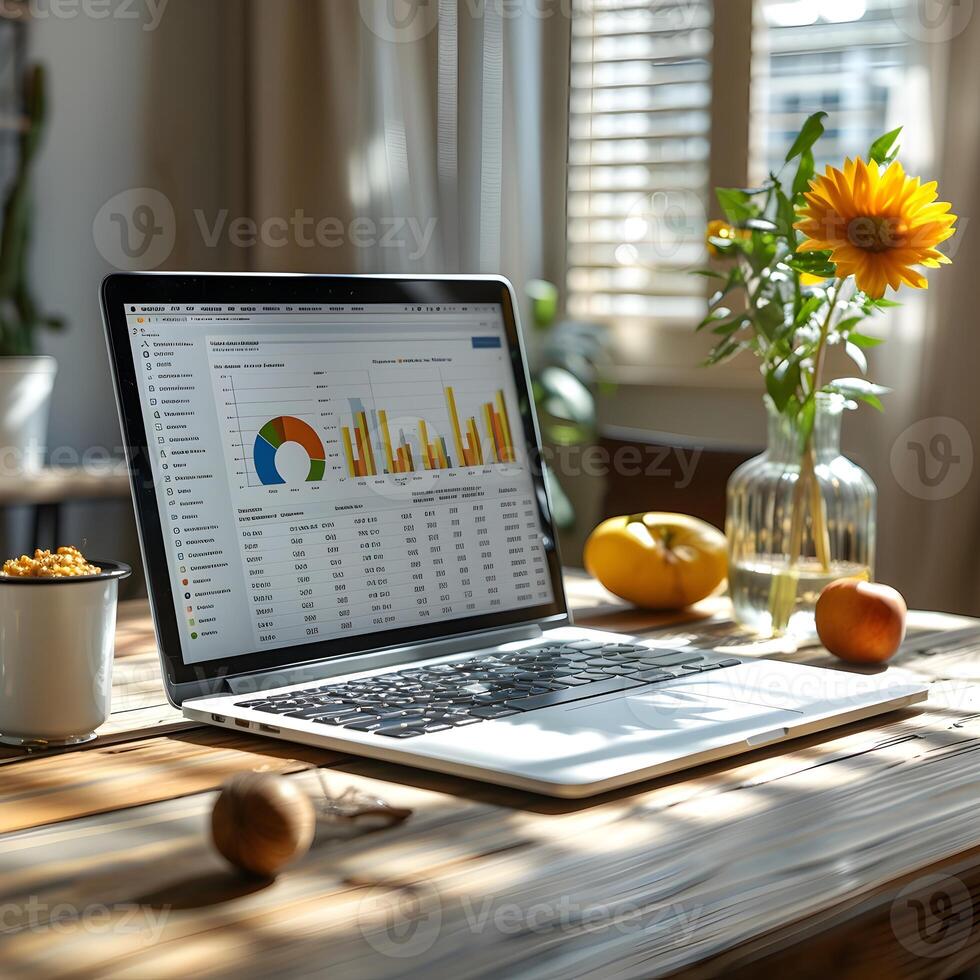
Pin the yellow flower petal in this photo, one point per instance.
(878, 223)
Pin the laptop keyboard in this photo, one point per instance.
(409, 703)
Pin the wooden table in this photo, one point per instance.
(855, 853)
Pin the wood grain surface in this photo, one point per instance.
(725, 870)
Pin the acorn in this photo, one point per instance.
(261, 822)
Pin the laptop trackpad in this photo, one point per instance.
(680, 712)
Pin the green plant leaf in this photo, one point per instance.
(727, 327)
(815, 263)
(810, 132)
(782, 382)
(727, 349)
(859, 388)
(785, 215)
(863, 340)
(810, 306)
(736, 204)
(804, 173)
(544, 302)
(881, 148)
(565, 397)
(561, 507)
(857, 356)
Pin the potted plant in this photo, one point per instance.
(803, 261)
(567, 359)
(26, 378)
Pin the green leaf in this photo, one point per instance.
(804, 173)
(859, 388)
(815, 263)
(726, 349)
(782, 382)
(708, 273)
(882, 303)
(544, 302)
(566, 397)
(736, 204)
(727, 327)
(809, 307)
(863, 340)
(857, 356)
(720, 313)
(785, 215)
(809, 133)
(881, 148)
(561, 507)
(769, 318)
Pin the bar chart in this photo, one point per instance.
(373, 446)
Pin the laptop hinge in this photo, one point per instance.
(287, 676)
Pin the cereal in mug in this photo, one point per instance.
(64, 563)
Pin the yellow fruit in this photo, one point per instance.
(657, 561)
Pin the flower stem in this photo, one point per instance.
(806, 491)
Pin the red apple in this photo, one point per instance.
(861, 622)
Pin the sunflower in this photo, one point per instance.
(877, 223)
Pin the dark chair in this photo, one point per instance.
(658, 471)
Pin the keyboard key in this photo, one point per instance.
(341, 720)
(436, 726)
(400, 732)
(652, 659)
(492, 711)
(608, 686)
(368, 725)
(729, 663)
(654, 675)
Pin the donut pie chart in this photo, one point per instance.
(273, 434)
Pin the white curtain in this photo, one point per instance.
(936, 525)
(390, 136)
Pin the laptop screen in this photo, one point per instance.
(331, 471)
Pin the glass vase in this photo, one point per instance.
(799, 516)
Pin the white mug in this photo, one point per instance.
(57, 638)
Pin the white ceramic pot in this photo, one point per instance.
(57, 637)
(26, 384)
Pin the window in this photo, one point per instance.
(657, 118)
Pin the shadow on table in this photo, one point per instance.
(203, 890)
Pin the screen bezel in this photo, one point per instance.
(150, 289)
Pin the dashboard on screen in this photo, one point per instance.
(329, 471)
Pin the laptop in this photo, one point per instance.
(349, 543)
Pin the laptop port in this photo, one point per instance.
(240, 723)
(268, 728)
(218, 718)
